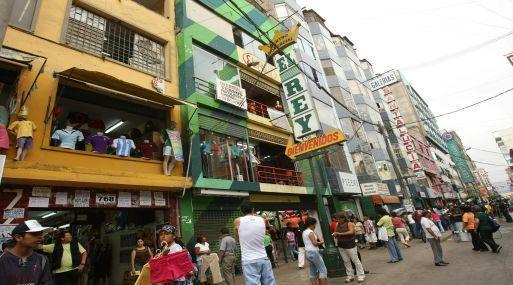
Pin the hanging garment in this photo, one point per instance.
(211, 261)
(4, 137)
(68, 138)
(99, 143)
(123, 146)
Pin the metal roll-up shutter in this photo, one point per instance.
(221, 126)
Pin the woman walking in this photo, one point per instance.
(345, 234)
(318, 271)
(141, 254)
(400, 229)
(484, 226)
(469, 225)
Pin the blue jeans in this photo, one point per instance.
(393, 249)
(317, 266)
(258, 272)
(293, 251)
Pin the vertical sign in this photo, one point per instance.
(458, 157)
(404, 137)
(298, 98)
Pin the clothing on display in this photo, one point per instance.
(99, 142)
(4, 116)
(68, 137)
(123, 146)
(23, 128)
(4, 137)
(147, 148)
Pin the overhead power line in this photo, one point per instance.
(459, 53)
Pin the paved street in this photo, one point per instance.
(466, 266)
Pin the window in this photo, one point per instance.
(248, 43)
(94, 114)
(336, 158)
(281, 11)
(157, 6)
(208, 67)
(305, 46)
(24, 13)
(90, 32)
(224, 157)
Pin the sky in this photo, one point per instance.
(451, 51)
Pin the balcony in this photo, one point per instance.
(258, 108)
(267, 174)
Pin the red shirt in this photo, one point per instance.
(398, 223)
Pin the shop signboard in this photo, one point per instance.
(458, 157)
(258, 64)
(105, 199)
(299, 101)
(81, 199)
(374, 189)
(38, 202)
(42, 192)
(349, 182)
(231, 94)
(14, 213)
(322, 141)
(145, 198)
(383, 80)
(61, 198)
(125, 200)
(281, 40)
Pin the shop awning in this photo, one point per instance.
(385, 199)
(14, 60)
(114, 86)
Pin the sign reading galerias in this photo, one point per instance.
(298, 98)
(322, 141)
(383, 80)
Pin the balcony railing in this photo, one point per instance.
(282, 176)
(258, 108)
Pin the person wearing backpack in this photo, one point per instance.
(486, 227)
(21, 265)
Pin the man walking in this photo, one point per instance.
(20, 265)
(504, 210)
(227, 257)
(250, 231)
(68, 259)
(485, 229)
(434, 237)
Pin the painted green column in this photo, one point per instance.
(331, 255)
(334, 199)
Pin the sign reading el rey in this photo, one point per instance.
(383, 80)
(298, 99)
(322, 141)
(231, 94)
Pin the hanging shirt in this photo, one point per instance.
(99, 143)
(68, 138)
(123, 146)
(165, 136)
(23, 129)
(147, 150)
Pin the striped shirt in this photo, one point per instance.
(123, 146)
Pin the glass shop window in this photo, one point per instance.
(208, 67)
(225, 157)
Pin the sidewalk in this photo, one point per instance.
(373, 260)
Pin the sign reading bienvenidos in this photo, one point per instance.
(322, 141)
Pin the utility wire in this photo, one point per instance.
(484, 150)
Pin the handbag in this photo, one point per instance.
(170, 267)
(494, 224)
(382, 234)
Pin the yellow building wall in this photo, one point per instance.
(44, 165)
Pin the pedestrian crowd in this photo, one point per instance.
(24, 258)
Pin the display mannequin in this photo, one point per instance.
(100, 142)
(24, 131)
(123, 146)
(169, 159)
(146, 148)
(68, 137)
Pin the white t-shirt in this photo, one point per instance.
(428, 224)
(308, 243)
(251, 238)
(410, 219)
(203, 248)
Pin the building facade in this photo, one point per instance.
(99, 80)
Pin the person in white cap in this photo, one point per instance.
(21, 265)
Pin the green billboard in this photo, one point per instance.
(458, 157)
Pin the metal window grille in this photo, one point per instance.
(90, 32)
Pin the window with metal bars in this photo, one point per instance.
(92, 33)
